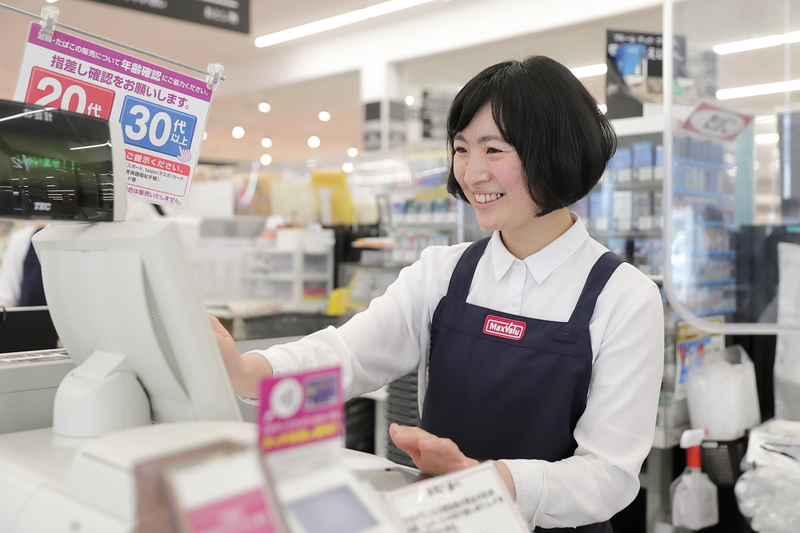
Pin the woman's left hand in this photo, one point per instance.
(431, 454)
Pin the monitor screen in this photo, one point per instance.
(125, 290)
(59, 165)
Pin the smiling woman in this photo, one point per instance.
(536, 348)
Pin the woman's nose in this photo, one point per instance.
(476, 170)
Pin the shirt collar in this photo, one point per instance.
(545, 261)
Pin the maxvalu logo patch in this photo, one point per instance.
(504, 327)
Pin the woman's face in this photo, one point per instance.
(490, 174)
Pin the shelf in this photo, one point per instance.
(700, 163)
(287, 276)
(716, 253)
(707, 194)
(709, 223)
(627, 234)
(626, 127)
(629, 185)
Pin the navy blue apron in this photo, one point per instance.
(502, 386)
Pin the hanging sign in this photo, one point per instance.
(716, 122)
(226, 14)
(163, 113)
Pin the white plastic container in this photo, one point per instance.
(722, 396)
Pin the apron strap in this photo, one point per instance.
(598, 277)
(465, 269)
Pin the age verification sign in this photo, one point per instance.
(163, 113)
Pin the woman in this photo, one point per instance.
(536, 348)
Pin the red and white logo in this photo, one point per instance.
(504, 327)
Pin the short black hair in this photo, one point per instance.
(541, 109)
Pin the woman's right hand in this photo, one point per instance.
(245, 371)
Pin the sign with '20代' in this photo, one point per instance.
(162, 113)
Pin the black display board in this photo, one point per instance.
(231, 15)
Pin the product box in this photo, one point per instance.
(643, 160)
(658, 209)
(599, 211)
(621, 164)
(658, 166)
(642, 215)
(622, 210)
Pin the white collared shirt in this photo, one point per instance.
(615, 432)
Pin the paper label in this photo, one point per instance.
(474, 500)
(162, 113)
(716, 122)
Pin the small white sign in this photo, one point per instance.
(474, 500)
(716, 122)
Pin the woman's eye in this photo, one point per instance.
(460, 150)
(493, 151)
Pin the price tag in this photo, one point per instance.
(163, 113)
(474, 500)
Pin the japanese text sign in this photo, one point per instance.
(162, 113)
(300, 409)
(716, 122)
(474, 500)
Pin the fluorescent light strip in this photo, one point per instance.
(591, 70)
(759, 90)
(336, 22)
(757, 43)
(767, 138)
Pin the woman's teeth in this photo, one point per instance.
(483, 198)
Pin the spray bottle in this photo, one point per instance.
(693, 494)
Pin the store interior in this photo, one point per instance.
(322, 168)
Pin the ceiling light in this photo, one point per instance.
(264, 107)
(205, 135)
(324, 116)
(266, 142)
(311, 163)
(352, 152)
(590, 70)
(313, 141)
(409, 100)
(765, 119)
(757, 43)
(758, 90)
(347, 167)
(767, 138)
(266, 159)
(51, 1)
(338, 21)
(238, 132)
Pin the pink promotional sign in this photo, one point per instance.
(300, 409)
(162, 113)
(243, 513)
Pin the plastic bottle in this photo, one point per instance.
(693, 494)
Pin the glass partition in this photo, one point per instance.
(731, 183)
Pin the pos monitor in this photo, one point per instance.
(58, 165)
(122, 299)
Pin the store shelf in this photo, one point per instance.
(626, 127)
(705, 194)
(700, 163)
(715, 253)
(629, 185)
(627, 234)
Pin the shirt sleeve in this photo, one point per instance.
(383, 342)
(11, 267)
(614, 434)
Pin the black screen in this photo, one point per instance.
(54, 164)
